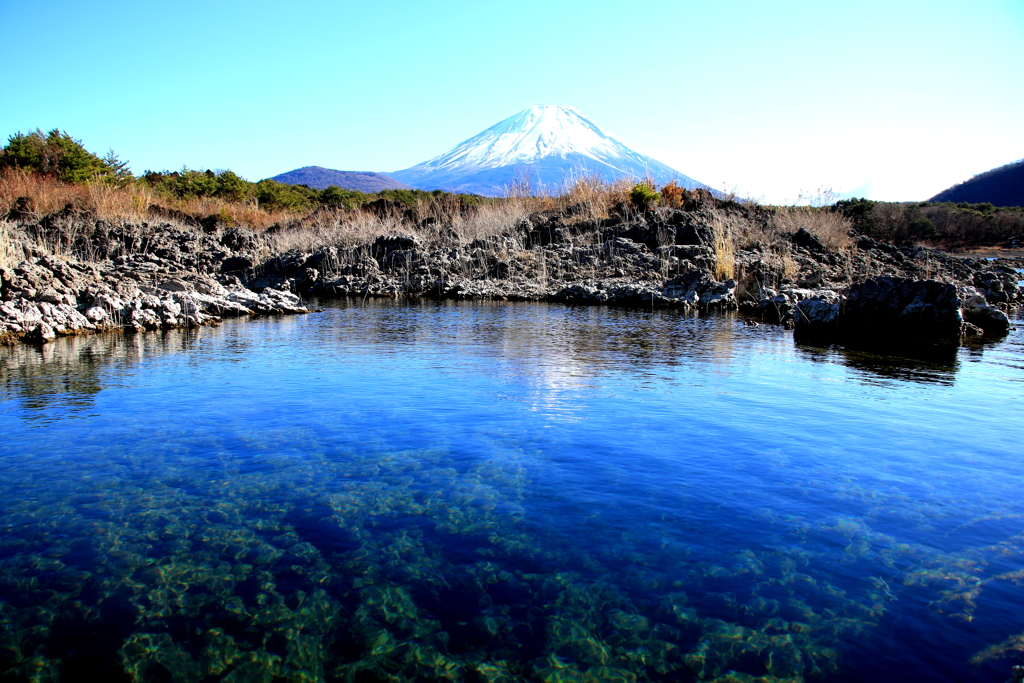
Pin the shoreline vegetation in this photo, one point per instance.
(86, 246)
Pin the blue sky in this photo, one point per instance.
(891, 100)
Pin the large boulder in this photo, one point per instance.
(805, 239)
(894, 310)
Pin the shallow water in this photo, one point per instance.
(497, 492)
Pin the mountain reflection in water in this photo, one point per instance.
(501, 492)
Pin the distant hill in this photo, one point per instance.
(1003, 186)
(319, 178)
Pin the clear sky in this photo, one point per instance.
(892, 100)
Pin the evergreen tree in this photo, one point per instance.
(58, 155)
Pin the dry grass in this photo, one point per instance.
(491, 219)
(232, 213)
(122, 204)
(11, 240)
(831, 228)
(451, 226)
(49, 195)
(724, 245)
(335, 228)
(591, 198)
(18, 243)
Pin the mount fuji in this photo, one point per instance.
(548, 144)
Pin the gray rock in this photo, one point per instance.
(40, 334)
(900, 311)
(816, 319)
(977, 311)
(174, 285)
(96, 314)
(776, 309)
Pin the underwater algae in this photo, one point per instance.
(262, 552)
(397, 567)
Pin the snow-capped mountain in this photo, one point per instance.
(548, 144)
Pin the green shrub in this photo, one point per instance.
(923, 227)
(58, 155)
(337, 197)
(643, 196)
(186, 184)
(272, 196)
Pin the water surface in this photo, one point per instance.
(495, 492)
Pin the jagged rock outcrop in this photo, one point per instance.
(147, 277)
(667, 259)
(141, 279)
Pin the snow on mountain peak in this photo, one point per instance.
(540, 131)
(550, 143)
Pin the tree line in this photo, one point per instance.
(59, 156)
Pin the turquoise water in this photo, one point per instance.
(497, 492)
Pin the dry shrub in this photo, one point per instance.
(521, 186)
(830, 227)
(232, 213)
(673, 195)
(724, 245)
(444, 209)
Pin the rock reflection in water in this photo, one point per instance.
(498, 493)
(939, 366)
(62, 378)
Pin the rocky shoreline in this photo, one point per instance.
(175, 274)
(143, 278)
(870, 293)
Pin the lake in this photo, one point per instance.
(396, 491)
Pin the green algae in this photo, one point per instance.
(418, 565)
(342, 570)
(339, 570)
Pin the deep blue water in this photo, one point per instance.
(498, 492)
